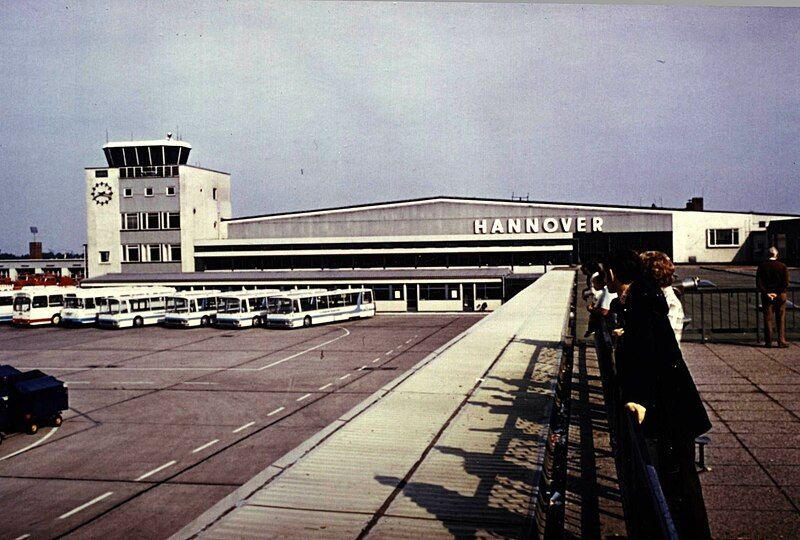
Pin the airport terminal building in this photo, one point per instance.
(152, 217)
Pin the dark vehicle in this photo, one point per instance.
(30, 399)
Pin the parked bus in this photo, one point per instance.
(192, 308)
(6, 305)
(82, 305)
(304, 308)
(242, 309)
(39, 304)
(135, 309)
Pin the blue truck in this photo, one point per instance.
(30, 399)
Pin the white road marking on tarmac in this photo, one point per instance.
(198, 382)
(347, 333)
(389, 352)
(323, 387)
(242, 428)
(86, 505)
(408, 341)
(131, 382)
(362, 368)
(23, 537)
(343, 377)
(204, 446)
(276, 411)
(37, 443)
(77, 382)
(157, 469)
(301, 398)
(377, 359)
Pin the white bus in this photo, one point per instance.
(192, 308)
(304, 308)
(241, 309)
(135, 309)
(82, 305)
(39, 304)
(6, 305)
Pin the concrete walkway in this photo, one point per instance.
(752, 395)
(452, 448)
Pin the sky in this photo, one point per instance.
(312, 105)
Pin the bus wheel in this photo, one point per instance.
(307, 321)
(138, 322)
(205, 321)
(58, 420)
(256, 321)
(56, 320)
(32, 429)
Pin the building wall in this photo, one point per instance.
(690, 240)
(201, 213)
(440, 218)
(103, 224)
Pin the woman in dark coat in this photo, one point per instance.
(655, 382)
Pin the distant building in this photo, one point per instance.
(785, 235)
(147, 207)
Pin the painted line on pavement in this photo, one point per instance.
(37, 443)
(86, 505)
(131, 382)
(323, 387)
(362, 368)
(23, 537)
(276, 411)
(77, 382)
(301, 398)
(343, 377)
(204, 446)
(389, 352)
(376, 360)
(157, 469)
(198, 382)
(295, 355)
(242, 428)
(408, 341)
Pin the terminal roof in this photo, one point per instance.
(301, 276)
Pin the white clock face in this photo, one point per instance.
(101, 193)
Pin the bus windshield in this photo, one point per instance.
(284, 305)
(230, 305)
(181, 305)
(112, 306)
(73, 303)
(22, 303)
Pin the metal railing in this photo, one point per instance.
(732, 312)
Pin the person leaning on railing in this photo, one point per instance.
(659, 268)
(656, 384)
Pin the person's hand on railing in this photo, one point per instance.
(638, 409)
(618, 331)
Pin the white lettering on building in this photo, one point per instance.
(531, 225)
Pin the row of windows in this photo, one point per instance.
(439, 291)
(148, 192)
(392, 260)
(141, 172)
(722, 237)
(150, 253)
(149, 221)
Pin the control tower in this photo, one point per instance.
(147, 207)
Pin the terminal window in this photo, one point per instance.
(175, 253)
(722, 237)
(127, 192)
(170, 191)
(132, 254)
(105, 256)
(148, 192)
(154, 253)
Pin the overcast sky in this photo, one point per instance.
(384, 101)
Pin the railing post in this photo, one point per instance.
(702, 317)
(758, 319)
